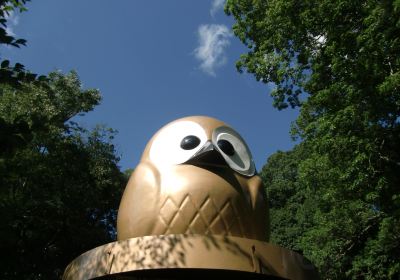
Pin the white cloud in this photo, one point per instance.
(213, 39)
(215, 6)
(12, 21)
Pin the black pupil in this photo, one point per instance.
(190, 142)
(226, 147)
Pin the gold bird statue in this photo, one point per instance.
(193, 208)
(196, 176)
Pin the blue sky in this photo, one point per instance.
(153, 61)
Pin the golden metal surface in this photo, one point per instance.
(206, 252)
(206, 198)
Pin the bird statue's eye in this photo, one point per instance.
(190, 142)
(176, 143)
(234, 150)
(226, 147)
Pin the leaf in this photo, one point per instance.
(42, 78)
(21, 75)
(21, 42)
(30, 77)
(18, 67)
(5, 63)
(3, 22)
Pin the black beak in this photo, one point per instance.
(208, 155)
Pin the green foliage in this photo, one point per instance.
(13, 74)
(344, 236)
(128, 172)
(8, 6)
(287, 197)
(313, 44)
(338, 192)
(59, 183)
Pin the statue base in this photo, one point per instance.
(183, 256)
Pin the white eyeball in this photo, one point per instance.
(177, 143)
(234, 150)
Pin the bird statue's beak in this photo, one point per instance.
(208, 155)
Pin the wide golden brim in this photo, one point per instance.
(209, 254)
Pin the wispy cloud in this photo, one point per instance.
(12, 21)
(213, 40)
(215, 6)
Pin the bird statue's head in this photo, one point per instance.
(201, 141)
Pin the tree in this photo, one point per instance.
(287, 198)
(59, 189)
(13, 135)
(339, 62)
(60, 184)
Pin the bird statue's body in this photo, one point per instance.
(196, 176)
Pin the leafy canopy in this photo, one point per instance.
(339, 61)
(60, 184)
(60, 187)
